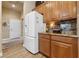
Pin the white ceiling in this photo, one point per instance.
(18, 5)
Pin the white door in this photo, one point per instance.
(15, 28)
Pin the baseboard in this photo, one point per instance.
(9, 43)
(10, 40)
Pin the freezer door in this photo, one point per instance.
(31, 44)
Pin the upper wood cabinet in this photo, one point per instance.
(47, 12)
(44, 11)
(55, 10)
(58, 10)
(63, 10)
(73, 9)
(39, 8)
(68, 10)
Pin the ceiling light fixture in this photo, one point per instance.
(13, 5)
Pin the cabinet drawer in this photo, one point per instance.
(44, 36)
(62, 39)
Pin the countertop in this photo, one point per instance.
(60, 34)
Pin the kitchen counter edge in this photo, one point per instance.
(66, 35)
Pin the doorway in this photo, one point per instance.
(11, 23)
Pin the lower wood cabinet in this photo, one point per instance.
(45, 46)
(61, 50)
(58, 46)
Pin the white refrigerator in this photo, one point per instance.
(33, 24)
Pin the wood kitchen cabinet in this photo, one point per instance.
(61, 50)
(68, 10)
(73, 9)
(39, 9)
(44, 43)
(57, 46)
(63, 10)
(64, 13)
(55, 10)
(63, 47)
(58, 10)
(44, 11)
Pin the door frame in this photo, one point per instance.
(1, 29)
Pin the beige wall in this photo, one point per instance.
(8, 14)
(28, 6)
(0, 28)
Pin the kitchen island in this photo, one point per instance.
(58, 45)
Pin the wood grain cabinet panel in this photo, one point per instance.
(61, 50)
(39, 9)
(57, 10)
(46, 10)
(45, 46)
(62, 39)
(68, 10)
(64, 13)
(58, 46)
(44, 36)
(73, 9)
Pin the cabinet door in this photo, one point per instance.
(68, 10)
(64, 10)
(72, 9)
(61, 50)
(45, 46)
(40, 9)
(55, 10)
(46, 11)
